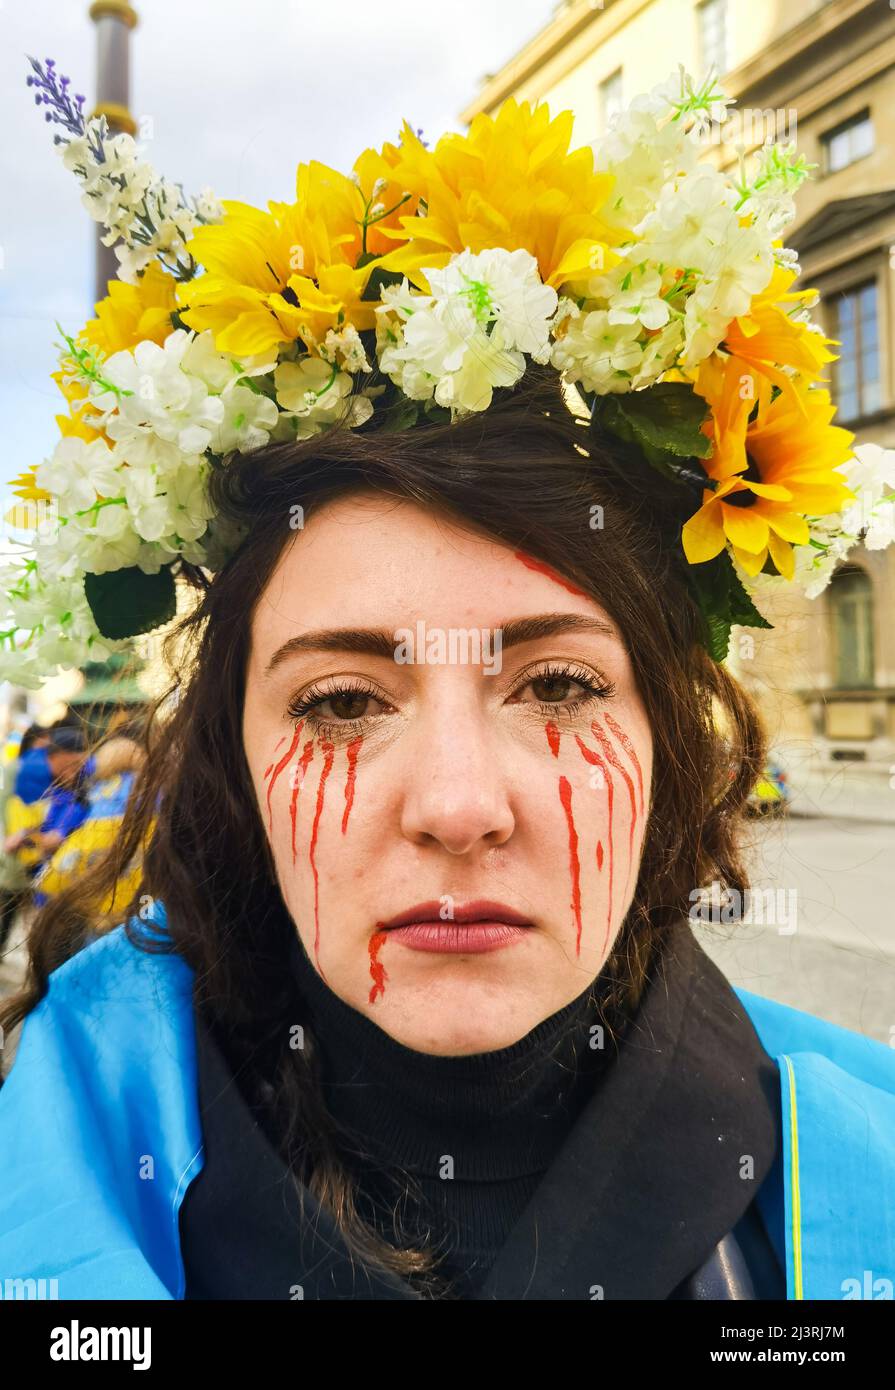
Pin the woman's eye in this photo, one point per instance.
(346, 706)
(553, 688)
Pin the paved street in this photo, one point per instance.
(839, 963)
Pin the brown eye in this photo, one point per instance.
(551, 689)
(351, 705)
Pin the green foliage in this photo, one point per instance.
(664, 421)
(127, 602)
(723, 602)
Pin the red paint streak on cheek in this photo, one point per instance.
(329, 751)
(612, 758)
(378, 973)
(553, 739)
(595, 760)
(629, 749)
(268, 770)
(306, 756)
(565, 796)
(541, 568)
(353, 750)
(278, 769)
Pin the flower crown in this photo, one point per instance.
(654, 283)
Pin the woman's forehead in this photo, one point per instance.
(381, 563)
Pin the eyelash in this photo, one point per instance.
(594, 688)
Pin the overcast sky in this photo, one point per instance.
(237, 94)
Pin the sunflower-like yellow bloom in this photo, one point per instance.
(510, 182)
(295, 271)
(768, 338)
(131, 313)
(773, 463)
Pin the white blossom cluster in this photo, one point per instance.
(703, 247)
(485, 314)
(149, 215)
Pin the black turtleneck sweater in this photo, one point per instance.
(448, 1151)
(574, 1168)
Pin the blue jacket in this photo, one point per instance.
(101, 1137)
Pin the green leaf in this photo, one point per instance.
(723, 602)
(378, 280)
(661, 419)
(402, 415)
(437, 414)
(127, 602)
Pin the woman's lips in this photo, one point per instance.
(465, 938)
(474, 927)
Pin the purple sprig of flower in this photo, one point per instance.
(51, 91)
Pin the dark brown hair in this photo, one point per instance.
(527, 473)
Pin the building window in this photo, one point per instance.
(856, 375)
(611, 99)
(712, 17)
(847, 142)
(851, 614)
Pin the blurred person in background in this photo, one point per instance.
(114, 764)
(25, 783)
(63, 803)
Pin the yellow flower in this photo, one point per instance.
(511, 182)
(25, 486)
(773, 463)
(292, 272)
(768, 338)
(131, 313)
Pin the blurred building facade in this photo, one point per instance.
(821, 72)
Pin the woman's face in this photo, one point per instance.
(433, 723)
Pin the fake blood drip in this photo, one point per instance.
(329, 751)
(306, 756)
(278, 769)
(613, 759)
(553, 739)
(565, 796)
(541, 568)
(378, 973)
(595, 760)
(629, 749)
(353, 750)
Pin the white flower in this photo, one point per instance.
(121, 190)
(344, 346)
(77, 471)
(637, 298)
(870, 473)
(317, 395)
(602, 356)
(247, 420)
(469, 335)
(503, 288)
(155, 395)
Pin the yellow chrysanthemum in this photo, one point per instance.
(773, 463)
(510, 182)
(294, 271)
(132, 313)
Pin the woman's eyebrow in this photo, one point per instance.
(381, 641)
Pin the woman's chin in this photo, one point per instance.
(449, 1038)
(462, 1017)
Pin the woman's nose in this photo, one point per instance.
(457, 782)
